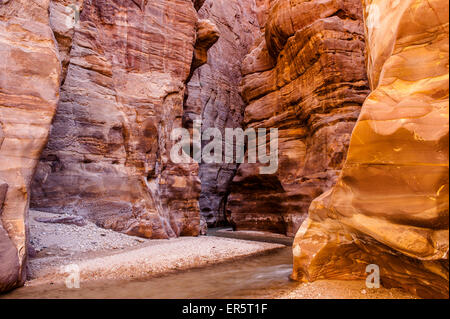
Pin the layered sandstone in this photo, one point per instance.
(390, 205)
(64, 17)
(108, 156)
(306, 77)
(213, 93)
(29, 92)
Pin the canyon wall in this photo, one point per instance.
(213, 93)
(29, 92)
(108, 156)
(64, 15)
(390, 205)
(305, 76)
(121, 68)
(116, 77)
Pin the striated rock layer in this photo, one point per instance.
(29, 92)
(306, 76)
(64, 16)
(213, 93)
(390, 205)
(108, 156)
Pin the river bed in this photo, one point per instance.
(251, 277)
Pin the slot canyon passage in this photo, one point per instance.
(91, 91)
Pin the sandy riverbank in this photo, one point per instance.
(106, 255)
(110, 259)
(338, 289)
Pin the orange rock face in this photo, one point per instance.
(108, 156)
(306, 77)
(390, 205)
(29, 92)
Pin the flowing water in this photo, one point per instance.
(251, 277)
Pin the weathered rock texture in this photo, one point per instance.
(29, 92)
(108, 157)
(390, 205)
(306, 77)
(213, 93)
(64, 16)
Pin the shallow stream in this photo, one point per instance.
(251, 277)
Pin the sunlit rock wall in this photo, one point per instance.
(29, 92)
(390, 205)
(305, 76)
(108, 157)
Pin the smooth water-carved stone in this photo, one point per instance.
(390, 205)
(29, 92)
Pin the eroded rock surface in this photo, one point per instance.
(64, 17)
(390, 205)
(108, 157)
(213, 93)
(68, 220)
(29, 92)
(306, 77)
(9, 259)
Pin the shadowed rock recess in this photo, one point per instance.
(91, 90)
(213, 94)
(390, 205)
